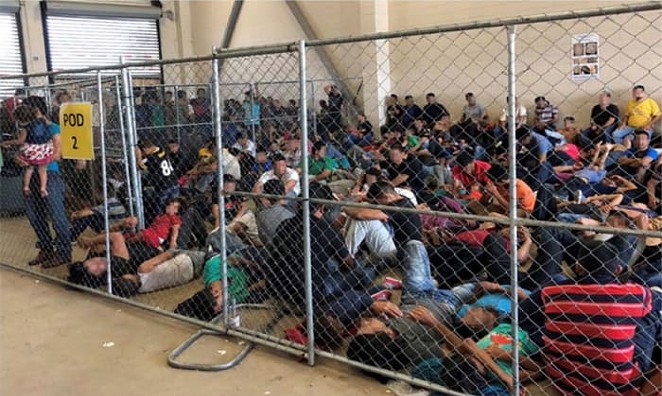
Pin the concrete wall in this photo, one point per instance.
(449, 64)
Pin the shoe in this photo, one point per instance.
(392, 283)
(55, 261)
(383, 295)
(42, 257)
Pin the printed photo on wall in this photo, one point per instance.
(585, 56)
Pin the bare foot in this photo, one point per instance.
(26, 192)
(44, 192)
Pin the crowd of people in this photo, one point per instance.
(429, 167)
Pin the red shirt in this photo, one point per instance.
(467, 180)
(159, 230)
(476, 238)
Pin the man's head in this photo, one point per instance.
(229, 183)
(146, 146)
(466, 161)
(523, 135)
(639, 92)
(382, 193)
(605, 98)
(569, 122)
(201, 93)
(319, 149)
(167, 97)
(470, 98)
(175, 206)
(430, 98)
(173, 146)
(19, 93)
(597, 258)
(242, 139)
(409, 100)
(372, 175)
(182, 96)
(480, 319)
(397, 153)
(272, 187)
(497, 174)
(279, 164)
(88, 273)
(361, 117)
(24, 114)
(261, 155)
(541, 102)
(641, 139)
(95, 266)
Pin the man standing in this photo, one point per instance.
(641, 112)
(40, 209)
(546, 113)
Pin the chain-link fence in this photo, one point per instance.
(471, 209)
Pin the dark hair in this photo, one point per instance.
(394, 96)
(328, 335)
(274, 187)
(373, 172)
(468, 95)
(597, 257)
(317, 146)
(539, 98)
(569, 118)
(464, 158)
(522, 133)
(24, 114)
(181, 94)
(278, 157)
(429, 94)
(78, 275)
(260, 149)
(145, 143)
(409, 97)
(38, 103)
(182, 203)
(497, 173)
(319, 191)
(379, 189)
(398, 146)
(19, 91)
(377, 350)
(640, 132)
(639, 87)
(228, 178)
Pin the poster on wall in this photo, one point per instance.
(585, 56)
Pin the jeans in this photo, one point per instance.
(337, 281)
(418, 275)
(619, 135)
(39, 208)
(94, 221)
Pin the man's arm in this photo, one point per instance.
(399, 179)
(365, 213)
(653, 121)
(174, 234)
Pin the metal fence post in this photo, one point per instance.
(130, 130)
(127, 171)
(104, 182)
(512, 152)
(216, 103)
(305, 186)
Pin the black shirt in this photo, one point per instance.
(600, 116)
(365, 127)
(433, 112)
(406, 226)
(160, 171)
(335, 102)
(411, 167)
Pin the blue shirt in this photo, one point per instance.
(54, 130)
(635, 153)
(544, 145)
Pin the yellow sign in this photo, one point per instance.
(76, 129)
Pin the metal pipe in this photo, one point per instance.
(138, 192)
(305, 191)
(176, 97)
(512, 172)
(130, 127)
(127, 172)
(216, 102)
(104, 182)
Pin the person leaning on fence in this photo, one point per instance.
(598, 334)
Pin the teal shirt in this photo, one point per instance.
(501, 336)
(53, 167)
(237, 278)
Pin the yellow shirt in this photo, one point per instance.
(640, 113)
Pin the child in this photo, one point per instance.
(36, 146)
(165, 228)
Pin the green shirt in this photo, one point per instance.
(317, 166)
(412, 141)
(237, 278)
(501, 336)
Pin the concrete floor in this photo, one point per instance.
(51, 343)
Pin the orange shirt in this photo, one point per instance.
(526, 199)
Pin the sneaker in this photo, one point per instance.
(42, 257)
(383, 295)
(55, 261)
(392, 283)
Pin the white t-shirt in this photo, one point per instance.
(250, 147)
(290, 174)
(521, 113)
(231, 165)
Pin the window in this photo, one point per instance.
(11, 61)
(77, 41)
